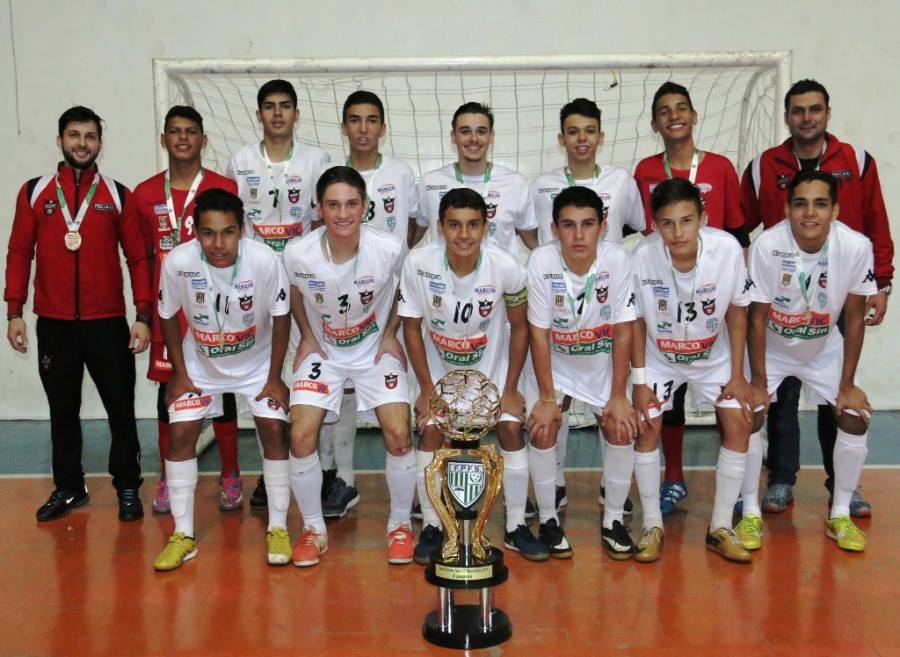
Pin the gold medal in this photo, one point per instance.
(73, 240)
(221, 339)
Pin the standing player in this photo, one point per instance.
(581, 135)
(165, 206)
(807, 271)
(811, 147)
(344, 285)
(505, 192)
(72, 223)
(233, 294)
(674, 119)
(580, 315)
(463, 290)
(692, 329)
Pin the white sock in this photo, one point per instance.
(326, 446)
(429, 515)
(400, 472)
(618, 466)
(344, 437)
(750, 487)
(562, 439)
(542, 463)
(306, 482)
(646, 472)
(849, 456)
(277, 475)
(730, 471)
(181, 477)
(515, 486)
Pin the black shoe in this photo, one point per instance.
(554, 538)
(523, 541)
(561, 499)
(530, 510)
(328, 477)
(628, 508)
(259, 499)
(617, 540)
(416, 512)
(130, 507)
(62, 501)
(431, 539)
(341, 497)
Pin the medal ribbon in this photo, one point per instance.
(75, 224)
(806, 280)
(370, 181)
(485, 183)
(571, 179)
(276, 191)
(175, 222)
(450, 276)
(693, 281)
(326, 247)
(570, 293)
(695, 164)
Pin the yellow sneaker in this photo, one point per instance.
(278, 546)
(848, 536)
(179, 549)
(725, 542)
(650, 545)
(750, 530)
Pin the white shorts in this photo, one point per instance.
(821, 375)
(321, 383)
(706, 384)
(192, 406)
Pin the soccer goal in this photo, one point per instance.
(736, 94)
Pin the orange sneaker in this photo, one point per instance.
(401, 546)
(309, 548)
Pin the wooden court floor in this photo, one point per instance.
(85, 586)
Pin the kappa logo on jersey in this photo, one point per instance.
(602, 294)
(803, 326)
(459, 351)
(210, 345)
(350, 336)
(306, 385)
(388, 202)
(246, 302)
(685, 352)
(709, 306)
(390, 381)
(583, 342)
(293, 195)
(870, 277)
(748, 283)
(366, 297)
(823, 279)
(282, 295)
(632, 301)
(50, 207)
(193, 403)
(485, 307)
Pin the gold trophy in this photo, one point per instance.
(465, 405)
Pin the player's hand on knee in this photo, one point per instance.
(544, 421)
(422, 410)
(644, 401)
(853, 398)
(307, 347)
(17, 334)
(620, 421)
(277, 391)
(759, 397)
(739, 390)
(513, 402)
(391, 345)
(179, 385)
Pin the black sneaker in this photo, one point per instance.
(561, 499)
(554, 538)
(130, 507)
(62, 501)
(431, 539)
(617, 540)
(259, 499)
(530, 509)
(524, 542)
(328, 477)
(416, 512)
(341, 498)
(629, 506)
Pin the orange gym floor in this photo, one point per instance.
(85, 585)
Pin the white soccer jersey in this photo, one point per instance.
(615, 186)
(348, 304)
(464, 318)
(506, 194)
(685, 313)
(278, 197)
(228, 311)
(580, 313)
(799, 327)
(393, 197)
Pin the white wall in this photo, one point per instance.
(99, 54)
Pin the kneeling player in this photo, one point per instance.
(581, 313)
(344, 285)
(233, 293)
(692, 329)
(463, 290)
(806, 272)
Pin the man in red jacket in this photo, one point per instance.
(764, 186)
(165, 207)
(71, 223)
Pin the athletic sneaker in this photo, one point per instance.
(278, 546)
(524, 542)
(671, 492)
(309, 548)
(328, 477)
(179, 549)
(554, 538)
(750, 531)
(430, 539)
(161, 501)
(617, 540)
(341, 498)
(859, 506)
(726, 542)
(60, 502)
(650, 545)
(130, 507)
(561, 499)
(259, 499)
(401, 545)
(416, 512)
(777, 498)
(231, 496)
(629, 505)
(848, 536)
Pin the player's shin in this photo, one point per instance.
(277, 475)
(646, 473)
(542, 463)
(400, 471)
(750, 486)
(306, 482)
(515, 486)
(730, 470)
(849, 457)
(618, 467)
(182, 479)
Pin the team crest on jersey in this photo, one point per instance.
(50, 206)
(293, 195)
(436, 300)
(296, 212)
(786, 279)
(271, 403)
(606, 312)
(709, 306)
(392, 223)
(319, 298)
(823, 280)
(247, 318)
(390, 381)
(388, 202)
(163, 221)
(246, 302)
(712, 325)
(491, 210)
(559, 300)
(485, 307)
(602, 294)
(483, 326)
(366, 296)
(199, 297)
(662, 305)
(254, 193)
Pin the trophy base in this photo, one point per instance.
(490, 573)
(466, 632)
